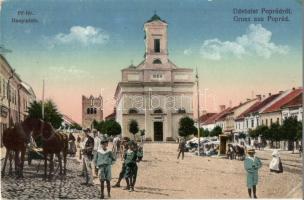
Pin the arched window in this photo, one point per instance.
(91, 110)
(88, 110)
(181, 110)
(157, 61)
(95, 110)
(133, 111)
(158, 110)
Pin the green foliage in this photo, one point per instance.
(290, 128)
(299, 131)
(133, 127)
(98, 126)
(204, 132)
(216, 131)
(186, 127)
(242, 135)
(111, 127)
(51, 113)
(76, 126)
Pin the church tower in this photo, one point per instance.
(156, 41)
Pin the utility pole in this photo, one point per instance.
(9, 97)
(42, 102)
(198, 112)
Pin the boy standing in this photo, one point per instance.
(252, 165)
(130, 162)
(104, 159)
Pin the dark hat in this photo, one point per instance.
(104, 140)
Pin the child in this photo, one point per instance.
(139, 156)
(104, 159)
(252, 165)
(131, 167)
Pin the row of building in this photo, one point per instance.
(15, 96)
(262, 110)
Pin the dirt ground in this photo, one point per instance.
(161, 175)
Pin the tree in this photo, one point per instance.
(51, 113)
(98, 126)
(242, 135)
(290, 130)
(133, 127)
(76, 126)
(204, 132)
(274, 133)
(186, 127)
(216, 131)
(111, 127)
(299, 131)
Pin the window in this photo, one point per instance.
(95, 110)
(247, 123)
(158, 110)
(271, 121)
(157, 61)
(252, 123)
(266, 122)
(156, 45)
(258, 122)
(158, 76)
(91, 110)
(133, 111)
(262, 122)
(88, 110)
(181, 110)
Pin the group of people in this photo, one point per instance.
(98, 160)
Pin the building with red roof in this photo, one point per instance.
(273, 114)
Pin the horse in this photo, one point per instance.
(53, 143)
(240, 152)
(16, 139)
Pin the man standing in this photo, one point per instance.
(181, 148)
(252, 165)
(88, 157)
(95, 149)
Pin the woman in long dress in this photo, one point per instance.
(276, 164)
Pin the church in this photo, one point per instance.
(156, 93)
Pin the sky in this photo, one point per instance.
(80, 46)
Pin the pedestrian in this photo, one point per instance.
(252, 164)
(88, 157)
(276, 163)
(72, 145)
(181, 148)
(139, 156)
(95, 149)
(116, 145)
(104, 159)
(300, 150)
(130, 161)
(124, 149)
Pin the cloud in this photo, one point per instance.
(65, 73)
(188, 51)
(256, 41)
(81, 35)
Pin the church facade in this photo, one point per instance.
(156, 93)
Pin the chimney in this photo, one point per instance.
(222, 107)
(269, 94)
(280, 92)
(293, 88)
(259, 97)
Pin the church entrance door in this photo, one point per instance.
(158, 131)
